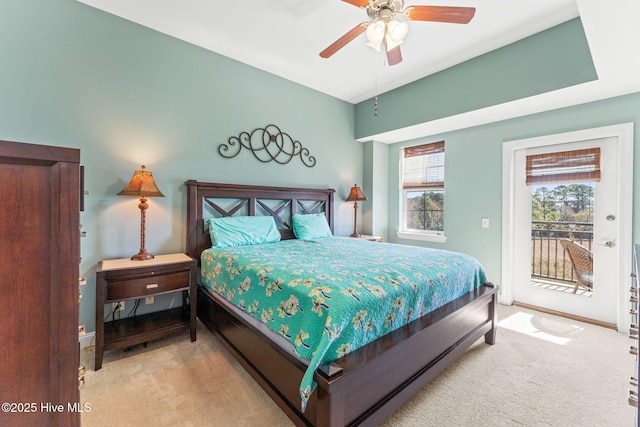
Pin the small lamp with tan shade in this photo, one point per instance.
(355, 195)
(143, 186)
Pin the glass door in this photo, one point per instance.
(566, 228)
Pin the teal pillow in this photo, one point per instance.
(309, 227)
(242, 230)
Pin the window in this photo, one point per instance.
(423, 189)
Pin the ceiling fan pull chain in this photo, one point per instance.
(375, 89)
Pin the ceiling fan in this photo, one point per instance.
(384, 30)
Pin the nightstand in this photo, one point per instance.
(370, 238)
(128, 280)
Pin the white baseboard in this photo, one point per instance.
(86, 340)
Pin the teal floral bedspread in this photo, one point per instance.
(330, 296)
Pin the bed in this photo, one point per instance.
(371, 379)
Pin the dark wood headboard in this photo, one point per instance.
(208, 200)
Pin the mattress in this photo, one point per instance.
(331, 296)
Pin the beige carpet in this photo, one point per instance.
(543, 371)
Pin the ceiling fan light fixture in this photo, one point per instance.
(376, 32)
(397, 31)
(394, 36)
(389, 31)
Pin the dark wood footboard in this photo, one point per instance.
(366, 386)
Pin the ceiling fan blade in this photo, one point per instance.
(454, 15)
(359, 3)
(342, 41)
(394, 56)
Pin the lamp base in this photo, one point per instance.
(142, 256)
(355, 235)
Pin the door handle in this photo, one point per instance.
(609, 244)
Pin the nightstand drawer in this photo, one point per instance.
(157, 284)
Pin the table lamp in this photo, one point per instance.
(355, 196)
(143, 186)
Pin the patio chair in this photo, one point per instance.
(582, 261)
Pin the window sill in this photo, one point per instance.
(437, 238)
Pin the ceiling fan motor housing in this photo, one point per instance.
(384, 9)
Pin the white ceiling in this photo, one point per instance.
(284, 37)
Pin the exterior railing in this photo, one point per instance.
(548, 257)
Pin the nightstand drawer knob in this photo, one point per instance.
(152, 286)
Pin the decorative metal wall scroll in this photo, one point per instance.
(267, 144)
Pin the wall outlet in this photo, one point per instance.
(148, 300)
(118, 306)
(81, 330)
(485, 222)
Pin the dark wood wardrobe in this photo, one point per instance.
(39, 272)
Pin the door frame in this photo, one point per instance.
(624, 134)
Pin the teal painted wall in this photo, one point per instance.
(375, 220)
(473, 174)
(556, 58)
(126, 95)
